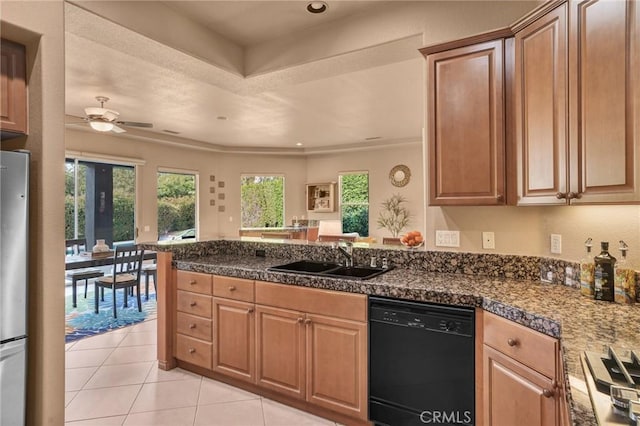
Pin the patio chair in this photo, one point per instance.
(127, 267)
(77, 246)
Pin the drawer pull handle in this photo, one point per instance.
(192, 326)
(192, 304)
(300, 320)
(193, 282)
(561, 195)
(250, 310)
(512, 342)
(307, 321)
(192, 350)
(232, 288)
(548, 393)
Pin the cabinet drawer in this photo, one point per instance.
(523, 344)
(194, 282)
(233, 288)
(324, 302)
(195, 304)
(194, 351)
(194, 326)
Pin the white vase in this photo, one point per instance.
(100, 247)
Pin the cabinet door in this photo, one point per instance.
(465, 119)
(337, 364)
(13, 89)
(515, 394)
(233, 339)
(605, 101)
(541, 110)
(280, 352)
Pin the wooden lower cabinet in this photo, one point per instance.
(234, 339)
(280, 351)
(516, 394)
(337, 364)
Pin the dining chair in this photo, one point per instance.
(127, 267)
(77, 246)
(150, 269)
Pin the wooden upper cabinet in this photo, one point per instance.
(541, 110)
(465, 119)
(605, 105)
(13, 89)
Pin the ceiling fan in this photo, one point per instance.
(105, 120)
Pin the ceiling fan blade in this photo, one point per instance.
(134, 124)
(117, 129)
(110, 115)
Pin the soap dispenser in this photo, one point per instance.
(604, 274)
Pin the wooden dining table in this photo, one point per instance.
(86, 260)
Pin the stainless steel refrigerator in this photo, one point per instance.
(14, 220)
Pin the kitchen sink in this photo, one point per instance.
(311, 267)
(356, 272)
(305, 267)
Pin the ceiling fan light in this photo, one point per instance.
(101, 126)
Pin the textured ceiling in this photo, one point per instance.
(325, 89)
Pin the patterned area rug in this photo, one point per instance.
(83, 322)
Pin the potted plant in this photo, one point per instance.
(394, 215)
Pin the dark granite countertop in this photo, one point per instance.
(558, 311)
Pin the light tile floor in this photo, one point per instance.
(113, 379)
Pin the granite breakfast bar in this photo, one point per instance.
(508, 286)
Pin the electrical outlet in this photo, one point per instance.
(448, 238)
(488, 240)
(556, 243)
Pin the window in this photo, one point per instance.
(176, 206)
(354, 202)
(262, 201)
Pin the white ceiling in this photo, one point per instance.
(349, 85)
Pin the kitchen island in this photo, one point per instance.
(506, 286)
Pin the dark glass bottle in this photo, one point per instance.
(604, 274)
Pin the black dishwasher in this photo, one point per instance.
(421, 363)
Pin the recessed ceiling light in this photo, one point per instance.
(299, 144)
(221, 117)
(316, 7)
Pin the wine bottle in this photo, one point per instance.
(604, 274)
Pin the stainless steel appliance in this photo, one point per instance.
(14, 219)
(421, 363)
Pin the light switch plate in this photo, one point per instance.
(488, 240)
(556, 243)
(448, 238)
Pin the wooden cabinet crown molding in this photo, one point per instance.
(467, 41)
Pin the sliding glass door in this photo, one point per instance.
(99, 202)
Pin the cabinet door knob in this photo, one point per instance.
(192, 282)
(512, 342)
(232, 288)
(300, 320)
(250, 310)
(561, 195)
(307, 321)
(548, 393)
(192, 304)
(192, 350)
(574, 195)
(192, 326)
(500, 197)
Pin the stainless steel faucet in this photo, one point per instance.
(346, 248)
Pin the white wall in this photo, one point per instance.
(378, 162)
(39, 26)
